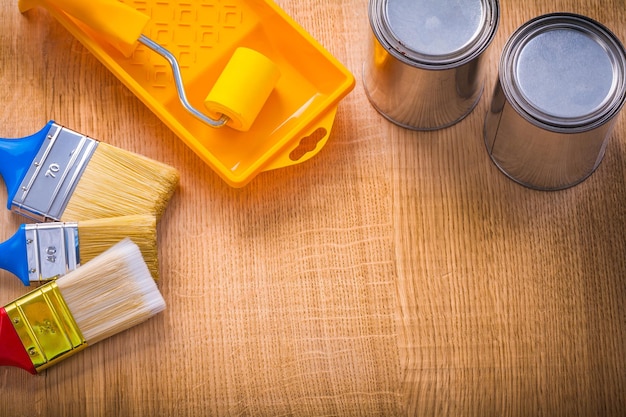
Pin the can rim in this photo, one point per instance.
(381, 27)
(612, 103)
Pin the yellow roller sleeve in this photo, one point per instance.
(243, 88)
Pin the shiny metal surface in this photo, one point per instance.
(558, 58)
(425, 69)
(561, 85)
(51, 179)
(435, 28)
(180, 86)
(45, 326)
(52, 250)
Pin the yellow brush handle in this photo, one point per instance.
(119, 23)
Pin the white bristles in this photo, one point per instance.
(111, 293)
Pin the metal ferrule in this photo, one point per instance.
(45, 326)
(53, 175)
(52, 250)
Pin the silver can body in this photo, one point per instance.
(560, 88)
(425, 69)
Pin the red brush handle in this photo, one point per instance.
(12, 352)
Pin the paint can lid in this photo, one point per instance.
(435, 32)
(564, 70)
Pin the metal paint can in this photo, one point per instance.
(425, 69)
(560, 87)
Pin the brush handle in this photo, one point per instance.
(16, 156)
(14, 256)
(120, 24)
(12, 352)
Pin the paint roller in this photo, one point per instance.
(237, 96)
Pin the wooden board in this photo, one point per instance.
(395, 273)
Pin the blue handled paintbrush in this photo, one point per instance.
(39, 252)
(61, 175)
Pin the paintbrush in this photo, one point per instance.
(61, 175)
(39, 252)
(107, 295)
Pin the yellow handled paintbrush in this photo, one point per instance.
(61, 175)
(39, 252)
(107, 295)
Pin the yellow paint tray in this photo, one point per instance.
(294, 121)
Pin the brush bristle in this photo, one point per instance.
(111, 293)
(117, 183)
(98, 235)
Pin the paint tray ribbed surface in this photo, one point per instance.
(296, 117)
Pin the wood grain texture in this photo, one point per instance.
(512, 300)
(395, 273)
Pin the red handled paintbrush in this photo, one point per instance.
(107, 295)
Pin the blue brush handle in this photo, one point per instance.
(13, 255)
(16, 157)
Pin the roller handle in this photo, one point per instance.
(12, 352)
(14, 257)
(117, 22)
(16, 157)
